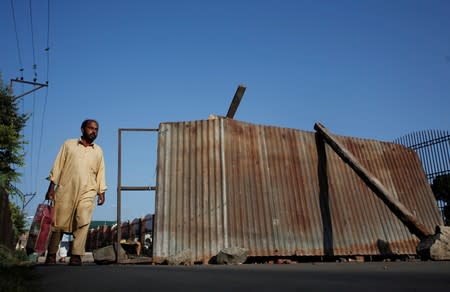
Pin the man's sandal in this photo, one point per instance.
(50, 259)
(75, 260)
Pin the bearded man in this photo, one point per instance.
(77, 177)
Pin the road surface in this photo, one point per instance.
(350, 276)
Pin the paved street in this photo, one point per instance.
(375, 276)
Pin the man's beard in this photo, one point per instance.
(90, 138)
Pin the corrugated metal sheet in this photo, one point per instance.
(280, 192)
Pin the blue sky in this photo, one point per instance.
(369, 69)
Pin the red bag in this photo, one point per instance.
(40, 229)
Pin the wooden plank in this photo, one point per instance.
(399, 210)
(236, 101)
(136, 260)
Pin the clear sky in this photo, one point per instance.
(370, 69)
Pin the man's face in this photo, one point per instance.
(90, 131)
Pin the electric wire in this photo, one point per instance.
(47, 49)
(41, 136)
(32, 42)
(17, 39)
(19, 55)
(32, 138)
(46, 93)
(34, 156)
(24, 145)
(34, 94)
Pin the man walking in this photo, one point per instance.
(77, 177)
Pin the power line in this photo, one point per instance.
(47, 49)
(32, 138)
(41, 134)
(33, 151)
(17, 38)
(46, 91)
(32, 42)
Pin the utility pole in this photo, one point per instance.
(36, 85)
(26, 202)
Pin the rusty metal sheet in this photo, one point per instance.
(280, 192)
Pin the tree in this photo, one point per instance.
(11, 141)
(441, 190)
(18, 220)
(11, 157)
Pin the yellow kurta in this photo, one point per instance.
(79, 175)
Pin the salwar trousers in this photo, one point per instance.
(83, 215)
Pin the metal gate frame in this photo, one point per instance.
(121, 188)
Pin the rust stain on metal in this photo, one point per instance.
(280, 192)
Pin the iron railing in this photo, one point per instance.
(433, 149)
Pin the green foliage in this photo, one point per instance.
(441, 187)
(18, 219)
(441, 190)
(11, 153)
(16, 272)
(11, 141)
(12, 257)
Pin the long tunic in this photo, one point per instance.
(78, 173)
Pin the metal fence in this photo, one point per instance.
(433, 148)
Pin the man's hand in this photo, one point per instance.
(50, 195)
(101, 199)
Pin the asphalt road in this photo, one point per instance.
(350, 276)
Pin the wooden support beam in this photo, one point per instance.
(236, 101)
(396, 207)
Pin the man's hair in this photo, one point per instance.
(85, 122)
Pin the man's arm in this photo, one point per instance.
(101, 182)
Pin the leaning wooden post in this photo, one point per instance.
(236, 101)
(375, 185)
